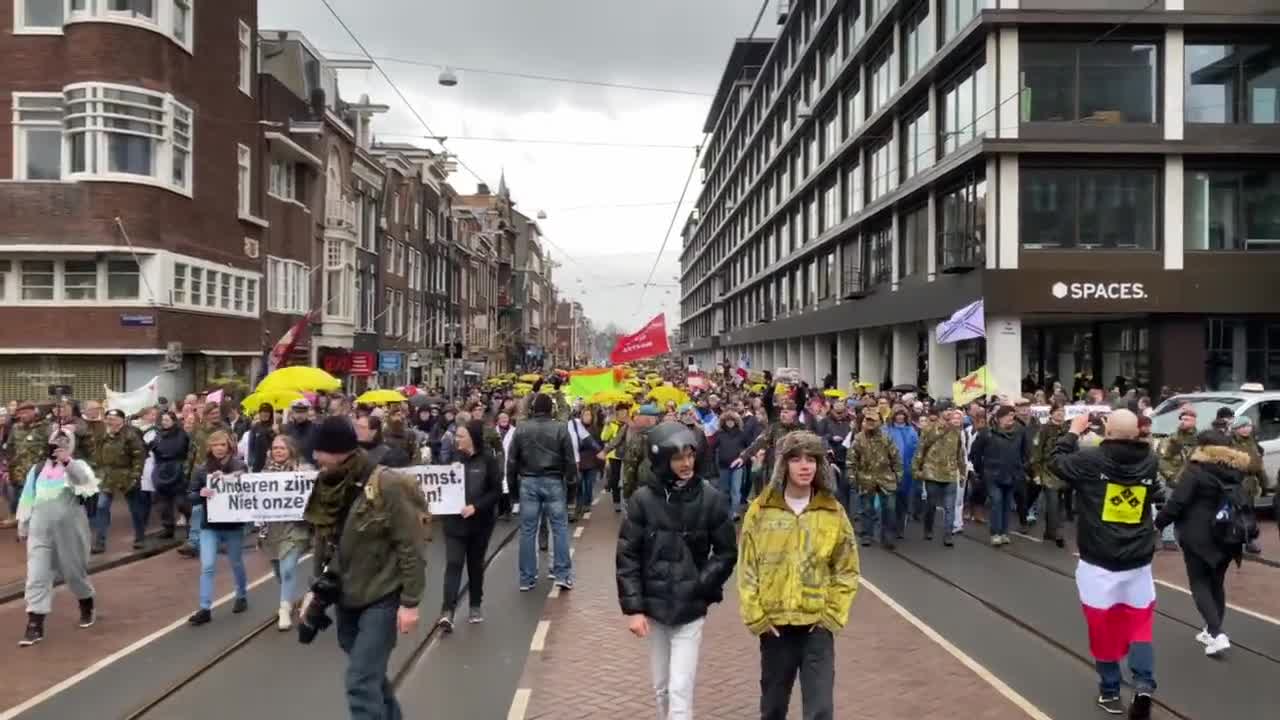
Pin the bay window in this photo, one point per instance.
(288, 286)
(339, 279)
(117, 132)
(171, 18)
(37, 136)
(82, 280)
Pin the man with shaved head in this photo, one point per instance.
(1115, 485)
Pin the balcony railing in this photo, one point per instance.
(854, 283)
(340, 212)
(960, 252)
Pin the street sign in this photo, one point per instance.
(390, 362)
(136, 320)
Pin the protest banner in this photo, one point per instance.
(282, 496)
(1041, 412)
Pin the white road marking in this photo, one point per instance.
(555, 592)
(540, 636)
(596, 500)
(121, 653)
(519, 704)
(1024, 536)
(1236, 608)
(577, 532)
(570, 555)
(1009, 693)
(586, 515)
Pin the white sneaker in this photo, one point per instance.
(1218, 645)
(1204, 638)
(285, 617)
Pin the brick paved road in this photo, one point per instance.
(592, 668)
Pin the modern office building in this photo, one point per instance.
(1102, 174)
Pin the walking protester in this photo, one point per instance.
(797, 522)
(1028, 491)
(833, 429)
(906, 439)
(1046, 438)
(369, 557)
(197, 454)
(940, 464)
(975, 490)
(1115, 484)
(1255, 477)
(586, 439)
(731, 441)
(168, 453)
(788, 422)
(369, 436)
(467, 534)
(285, 542)
(676, 549)
(1210, 490)
(52, 521)
(542, 457)
(302, 430)
(261, 435)
(118, 459)
(614, 436)
(220, 460)
(635, 456)
(1000, 457)
(28, 447)
(875, 467)
(1174, 452)
(706, 459)
(510, 501)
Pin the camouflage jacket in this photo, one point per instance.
(118, 460)
(28, 447)
(1254, 477)
(84, 437)
(1174, 452)
(767, 440)
(874, 463)
(635, 462)
(940, 456)
(200, 446)
(1044, 441)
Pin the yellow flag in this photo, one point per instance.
(976, 384)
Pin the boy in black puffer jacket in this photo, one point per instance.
(676, 550)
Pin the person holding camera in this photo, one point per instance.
(369, 524)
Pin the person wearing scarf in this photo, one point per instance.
(467, 535)
(56, 528)
(285, 541)
(220, 460)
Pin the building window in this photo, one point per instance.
(883, 82)
(957, 13)
(1233, 84)
(283, 180)
(917, 39)
(1068, 208)
(851, 97)
(39, 16)
(37, 136)
(1232, 210)
(917, 142)
(123, 280)
(339, 279)
(884, 171)
(830, 61)
(830, 203)
(1104, 82)
(913, 254)
(879, 248)
(116, 132)
(288, 286)
(244, 179)
(245, 57)
(37, 279)
(171, 18)
(182, 21)
(968, 107)
(962, 223)
(853, 194)
(79, 280)
(852, 26)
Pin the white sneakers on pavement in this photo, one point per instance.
(285, 617)
(1204, 638)
(1218, 645)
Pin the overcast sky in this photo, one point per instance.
(672, 44)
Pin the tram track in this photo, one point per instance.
(147, 709)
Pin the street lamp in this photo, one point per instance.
(447, 77)
(542, 214)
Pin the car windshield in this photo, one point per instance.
(1165, 419)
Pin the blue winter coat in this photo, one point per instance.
(905, 438)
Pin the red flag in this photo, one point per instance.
(284, 346)
(649, 342)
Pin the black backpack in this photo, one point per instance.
(1235, 523)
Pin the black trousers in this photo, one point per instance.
(469, 549)
(805, 650)
(615, 480)
(1207, 589)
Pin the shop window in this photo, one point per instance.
(1229, 83)
(1232, 210)
(1068, 208)
(1100, 82)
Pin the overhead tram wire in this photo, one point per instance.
(548, 141)
(675, 213)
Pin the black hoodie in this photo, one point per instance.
(1209, 472)
(1115, 484)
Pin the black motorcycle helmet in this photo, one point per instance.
(665, 440)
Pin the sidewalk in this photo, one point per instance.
(591, 667)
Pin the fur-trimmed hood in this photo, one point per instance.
(1221, 455)
(802, 442)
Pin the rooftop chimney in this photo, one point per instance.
(482, 189)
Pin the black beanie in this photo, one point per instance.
(541, 404)
(336, 435)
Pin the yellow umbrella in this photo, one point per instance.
(609, 397)
(299, 379)
(668, 393)
(278, 399)
(530, 378)
(836, 394)
(380, 397)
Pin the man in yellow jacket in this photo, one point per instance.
(797, 523)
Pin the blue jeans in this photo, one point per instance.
(368, 636)
(209, 540)
(1142, 665)
(139, 508)
(731, 486)
(197, 525)
(539, 495)
(586, 488)
(1002, 503)
(286, 572)
(944, 493)
(878, 521)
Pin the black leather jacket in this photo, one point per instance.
(542, 447)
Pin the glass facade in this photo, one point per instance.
(1230, 83)
(1232, 210)
(1088, 208)
(1103, 82)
